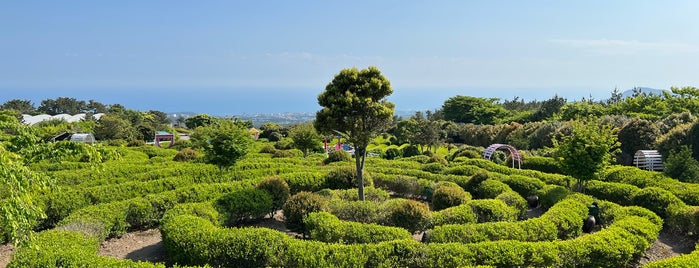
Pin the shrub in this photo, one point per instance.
(239, 206)
(284, 144)
(449, 196)
(523, 185)
(338, 156)
(620, 193)
(655, 199)
(410, 150)
(345, 177)
(435, 168)
(275, 137)
(430, 188)
(286, 153)
(370, 194)
(359, 211)
(325, 227)
(492, 210)
(298, 206)
(268, 149)
(462, 214)
(185, 155)
(393, 153)
(136, 143)
(551, 194)
(438, 159)
(402, 185)
(540, 163)
(516, 201)
(277, 188)
(681, 165)
(491, 189)
(409, 214)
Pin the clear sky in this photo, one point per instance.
(429, 50)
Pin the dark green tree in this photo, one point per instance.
(198, 120)
(21, 106)
(223, 143)
(587, 151)
(305, 137)
(636, 134)
(681, 165)
(548, 108)
(355, 106)
(465, 109)
(62, 105)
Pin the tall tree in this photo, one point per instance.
(21, 106)
(355, 106)
(466, 109)
(588, 150)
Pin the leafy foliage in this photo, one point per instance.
(355, 106)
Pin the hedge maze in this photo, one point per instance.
(471, 212)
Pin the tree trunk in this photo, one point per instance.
(360, 155)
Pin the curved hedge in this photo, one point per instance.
(325, 227)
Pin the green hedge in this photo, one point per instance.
(195, 241)
(686, 260)
(325, 227)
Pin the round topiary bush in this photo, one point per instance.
(277, 188)
(435, 168)
(298, 206)
(286, 153)
(345, 177)
(275, 136)
(338, 156)
(449, 196)
(516, 201)
(492, 210)
(185, 155)
(239, 206)
(491, 188)
(268, 149)
(409, 214)
(392, 153)
(410, 150)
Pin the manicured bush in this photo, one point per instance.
(268, 149)
(489, 189)
(462, 214)
(656, 200)
(325, 227)
(492, 210)
(540, 163)
(290, 153)
(435, 168)
(277, 188)
(370, 194)
(685, 260)
(523, 185)
(405, 186)
(515, 201)
(240, 206)
(359, 211)
(447, 196)
(463, 170)
(551, 194)
(410, 150)
(620, 193)
(185, 155)
(298, 206)
(393, 153)
(345, 177)
(338, 156)
(409, 214)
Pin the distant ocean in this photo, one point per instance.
(238, 101)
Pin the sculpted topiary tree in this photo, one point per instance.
(355, 106)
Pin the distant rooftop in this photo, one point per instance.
(33, 119)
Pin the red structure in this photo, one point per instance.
(164, 136)
(514, 154)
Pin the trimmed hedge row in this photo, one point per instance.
(687, 260)
(548, 178)
(325, 227)
(564, 220)
(687, 192)
(678, 215)
(195, 241)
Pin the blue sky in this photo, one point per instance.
(429, 50)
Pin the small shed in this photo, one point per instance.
(254, 133)
(164, 136)
(648, 160)
(83, 137)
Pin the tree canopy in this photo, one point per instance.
(355, 106)
(466, 109)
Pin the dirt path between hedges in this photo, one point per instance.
(137, 246)
(6, 251)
